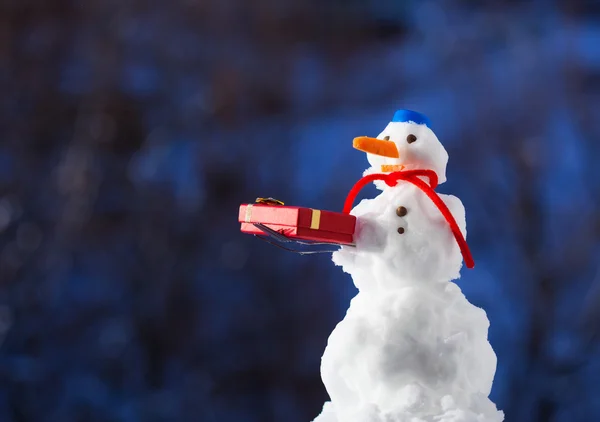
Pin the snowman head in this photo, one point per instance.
(407, 143)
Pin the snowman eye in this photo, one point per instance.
(411, 138)
(386, 138)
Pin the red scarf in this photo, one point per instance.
(412, 176)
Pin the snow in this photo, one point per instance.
(384, 259)
(411, 347)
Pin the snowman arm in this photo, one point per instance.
(457, 209)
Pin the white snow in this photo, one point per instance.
(411, 347)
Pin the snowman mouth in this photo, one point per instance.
(390, 168)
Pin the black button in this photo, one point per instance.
(401, 230)
(401, 211)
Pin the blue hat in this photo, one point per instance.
(409, 116)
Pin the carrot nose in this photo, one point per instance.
(376, 146)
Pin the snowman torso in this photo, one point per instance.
(402, 228)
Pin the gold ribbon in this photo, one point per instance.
(248, 218)
(315, 220)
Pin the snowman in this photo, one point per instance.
(411, 348)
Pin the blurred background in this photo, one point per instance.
(130, 132)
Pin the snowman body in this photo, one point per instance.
(411, 347)
(403, 232)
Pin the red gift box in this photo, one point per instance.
(299, 223)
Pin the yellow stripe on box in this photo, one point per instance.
(315, 221)
(248, 218)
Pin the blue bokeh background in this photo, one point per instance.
(130, 132)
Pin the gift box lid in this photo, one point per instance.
(297, 217)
